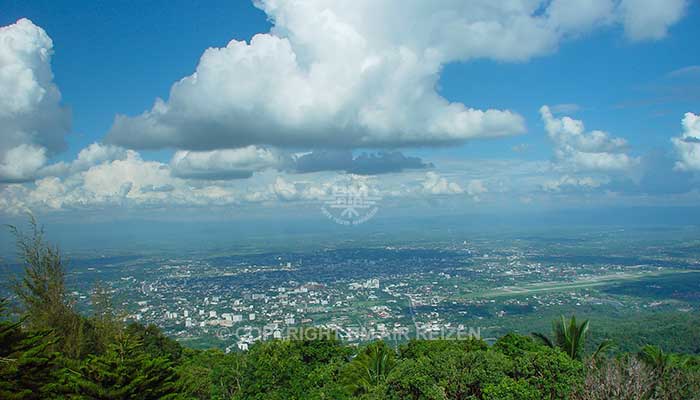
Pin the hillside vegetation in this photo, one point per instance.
(50, 351)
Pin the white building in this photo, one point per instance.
(372, 284)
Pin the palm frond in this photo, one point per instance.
(543, 339)
(604, 346)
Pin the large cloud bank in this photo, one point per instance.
(32, 121)
(107, 177)
(364, 73)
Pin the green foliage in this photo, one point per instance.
(125, 371)
(551, 372)
(570, 337)
(511, 389)
(417, 348)
(513, 344)
(677, 331)
(28, 368)
(370, 368)
(655, 358)
(515, 367)
(41, 290)
(105, 320)
(53, 352)
(42, 293)
(155, 343)
(209, 374)
(452, 374)
(226, 376)
(294, 369)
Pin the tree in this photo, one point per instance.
(210, 374)
(305, 366)
(104, 318)
(655, 358)
(513, 345)
(511, 389)
(41, 290)
(570, 337)
(370, 368)
(42, 293)
(549, 372)
(417, 348)
(449, 373)
(27, 366)
(125, 371)
(155, 343)
(226, 376)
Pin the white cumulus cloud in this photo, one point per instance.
(32, 122)
(226, 164)
(582, 15)
(595, 150)
(568, 182)
(476, 188)
(124, 182)
(94, 154)
(435, 184)
(20, 163)
(688, 144)
(650, 19)
(360, 74)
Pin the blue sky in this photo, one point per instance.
(630, 71)
(116, 57)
